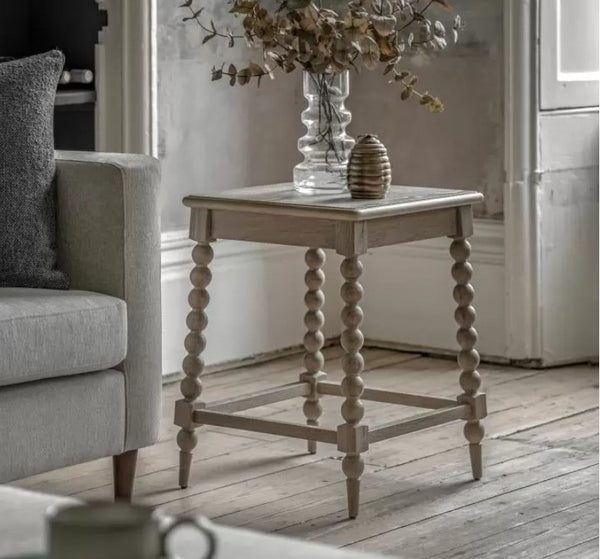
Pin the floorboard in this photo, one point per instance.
(538, 498)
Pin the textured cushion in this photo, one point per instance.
(48, 333)
(27, 190)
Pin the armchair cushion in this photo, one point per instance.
(27, 167)
(47, 333)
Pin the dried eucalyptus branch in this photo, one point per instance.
(320, 40)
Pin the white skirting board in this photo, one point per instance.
(250, 311)
(257, 296)
(408, 293)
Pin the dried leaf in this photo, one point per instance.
(303, 34)
(243, 7)
(370, 53)
(255, 69)
(436, 106)
(438, 29)
(384, 25)
(243, 76)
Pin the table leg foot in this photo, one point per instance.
(476, 460)
(185, 466)
(353, 467)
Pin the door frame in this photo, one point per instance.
(126, 117)
(521, 188)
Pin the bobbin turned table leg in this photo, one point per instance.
(352, 437)
(193, 365)
(313, 339)
(468, 357)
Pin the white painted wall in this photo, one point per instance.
(257, 296)
(213, 137)
(463, 146)
(536, 278)
(247, 279)
(408, 293)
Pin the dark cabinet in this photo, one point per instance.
(32, 26)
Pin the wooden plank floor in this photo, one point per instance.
(538, 498)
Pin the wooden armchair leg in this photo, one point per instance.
(124, 474)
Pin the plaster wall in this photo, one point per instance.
(213, 136)
(463, 147)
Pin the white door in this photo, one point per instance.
(569, 53)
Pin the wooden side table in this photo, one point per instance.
(277, 214)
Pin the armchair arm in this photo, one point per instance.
(109, 242)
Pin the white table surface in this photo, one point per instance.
(22, 534)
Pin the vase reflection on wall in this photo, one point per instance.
(325, 146)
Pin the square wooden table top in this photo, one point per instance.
(282, 199)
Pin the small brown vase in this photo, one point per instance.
(369, 169)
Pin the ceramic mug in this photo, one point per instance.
(116, 531)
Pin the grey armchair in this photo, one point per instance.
(80, 370)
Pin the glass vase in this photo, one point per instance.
(325, 146)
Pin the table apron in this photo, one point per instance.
(346, 237)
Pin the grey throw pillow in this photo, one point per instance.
(27, 168)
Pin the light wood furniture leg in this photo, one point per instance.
(124, 475)
(193, 365)
(468, 357)
(352, 437)
(314, 320)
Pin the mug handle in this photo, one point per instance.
(200, 525)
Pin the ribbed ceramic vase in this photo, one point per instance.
(325, 147)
